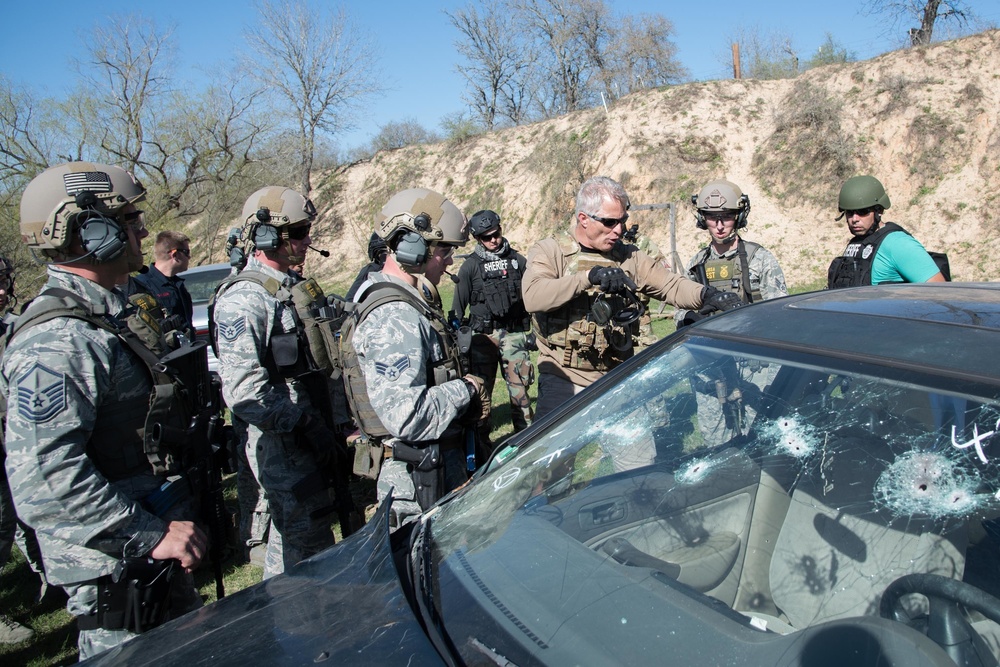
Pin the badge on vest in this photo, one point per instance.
(867, 252)
(41, 394)
(233, 331)
(394, 370)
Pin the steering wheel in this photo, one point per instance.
(946, 624)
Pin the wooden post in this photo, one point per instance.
(736, 61)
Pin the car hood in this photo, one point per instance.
(345, 605)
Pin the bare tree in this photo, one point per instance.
(398, 134)
(643, 54)
(928, 13)
(497, 61)
(128, 60)
(318, 64)
(765, 54)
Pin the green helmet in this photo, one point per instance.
(860, 192)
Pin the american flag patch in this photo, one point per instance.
(93, 181)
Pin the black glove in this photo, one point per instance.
(610, 279)
(479, 403)
(713, 300)
(321, 441)
(690, 317)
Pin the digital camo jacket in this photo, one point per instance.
(65, 380)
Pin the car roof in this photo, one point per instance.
(205, 268)
(952, 327)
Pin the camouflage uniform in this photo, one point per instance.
(726, 402)
(255, 518)
(247, 317)
(396, 348)
(500, 337)
(767, 280)
(69, 387)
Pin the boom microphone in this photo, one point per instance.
(454, 278)
(325, 253)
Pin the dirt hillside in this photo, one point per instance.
(925, 121)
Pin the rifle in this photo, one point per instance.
(205, 449)
(335, 475)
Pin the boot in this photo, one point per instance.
(12, 632)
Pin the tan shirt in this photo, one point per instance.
(548, 285)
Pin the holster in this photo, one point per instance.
(135, 597)
(426, 470)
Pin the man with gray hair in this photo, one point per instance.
(580, 288)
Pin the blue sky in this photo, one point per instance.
(416, 42)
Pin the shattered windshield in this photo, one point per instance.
(755, 490)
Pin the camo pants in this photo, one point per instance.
(509, 351)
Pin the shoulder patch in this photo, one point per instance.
(41, 394)
(393, 370)
(234, 330)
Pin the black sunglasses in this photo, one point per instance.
(298, 233)
(491, 236)
(860, 212)
(183, 251)
(609, 222)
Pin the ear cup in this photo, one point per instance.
(741, 219)
(699, 221)
(266, 237)
(411, 249)
(103, 238)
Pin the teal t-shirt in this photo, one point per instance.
(901, 259)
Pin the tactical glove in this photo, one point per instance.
(714, 300)
(610, 279)
(479, 402)
(321, 441)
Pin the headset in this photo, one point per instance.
(741, 217)
(266, 236)
(102, 237)
(410, 247)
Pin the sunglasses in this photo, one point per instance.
(610, 223)
(136, 220)
(860, 212)
(492, 236)
(299, 233)
(449, 250)
(184, 251)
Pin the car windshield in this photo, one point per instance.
(774, 490)
(201, 284)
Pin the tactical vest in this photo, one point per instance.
(729, 275)
(587, 345)
(449, 368)
(148, 431)
(313, 346)
(854, 267)
(496, 303)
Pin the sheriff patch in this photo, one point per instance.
(394, 370)
(41, 394)
(233, 331)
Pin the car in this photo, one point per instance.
(811, 480)
(201, 282)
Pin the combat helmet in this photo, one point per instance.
(483, 222)
(413, 220)
(76, 196)
(721, 195)
(861, 192)
(272, 208)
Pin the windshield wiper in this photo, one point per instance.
(422, 574)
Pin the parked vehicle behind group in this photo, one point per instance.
(201, 282)
(805, 481)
